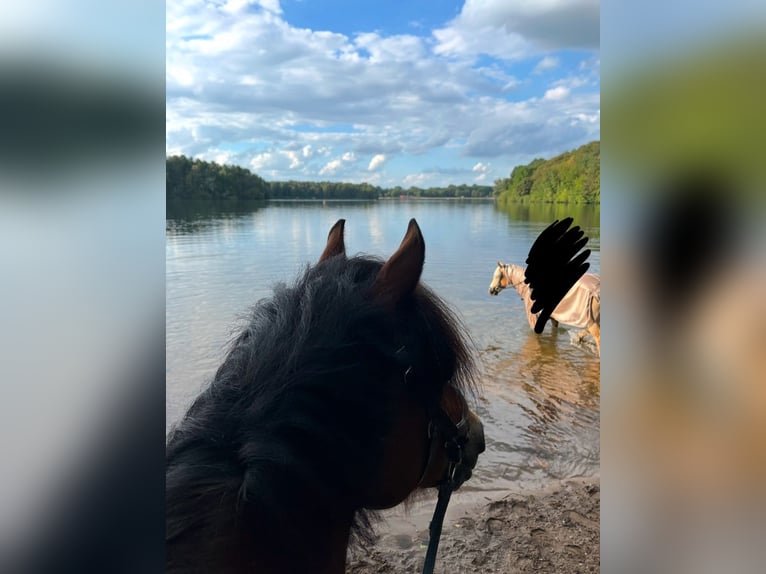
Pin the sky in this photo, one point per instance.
(404, 93)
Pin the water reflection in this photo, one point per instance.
(541, 404)
(588, 217)
(190, 216)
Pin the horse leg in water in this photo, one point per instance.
(554, 323)
(595, 327)
(595, 330)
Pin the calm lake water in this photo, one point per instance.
(539, 399)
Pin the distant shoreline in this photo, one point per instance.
(402, 198)
(374, 199)
(416, 198)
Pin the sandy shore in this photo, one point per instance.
(554, 530)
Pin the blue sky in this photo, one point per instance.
(392, 92)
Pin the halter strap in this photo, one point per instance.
(508, 276)
(455, 437)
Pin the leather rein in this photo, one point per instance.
(454, 436)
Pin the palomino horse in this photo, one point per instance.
(342, 395)
(580, 307)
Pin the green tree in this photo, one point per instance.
(571, 177)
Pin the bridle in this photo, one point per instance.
(455, 437)
(507, 276)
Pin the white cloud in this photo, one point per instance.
(534, 128)
(294, 158)
(557, 93)
(483, 170)
(547, 63)
(261, 160)
(587, 118)
(394, 48)
(272, 5)
(331, 167)
(180, 75)
(512, 30)
(414, 179)
(461, 40)
(223, 158)
(376, 161)
(575, 82)
(238, 6)
(293, 99)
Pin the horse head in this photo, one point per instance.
(499, 280)
(344, 393)
(432, 410)
(505, 276)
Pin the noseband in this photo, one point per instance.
(455, 437)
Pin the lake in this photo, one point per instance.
(539, 399)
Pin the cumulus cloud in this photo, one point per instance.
(535, 128)
(331, 167)
(239, 6)
(318, 101)
(513, 30)
(482, 170)
(376, 162)
(572, 82)
(546, 64)
(393, 48)
(294, 158)
(261, 160)
(557, 93)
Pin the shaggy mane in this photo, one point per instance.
(294, 419)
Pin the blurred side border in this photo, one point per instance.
(82, 221)
(683, 421)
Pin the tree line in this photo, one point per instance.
(187, 178)
(572, 177)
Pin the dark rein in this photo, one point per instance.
(455, 437)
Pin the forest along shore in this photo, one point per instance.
(554, 529)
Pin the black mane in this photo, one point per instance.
(294, 419)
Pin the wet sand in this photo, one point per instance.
(554, 529)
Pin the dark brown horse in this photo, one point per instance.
(342, 395)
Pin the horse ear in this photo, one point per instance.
(400, 274)
(499, 264)
(335, 245)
